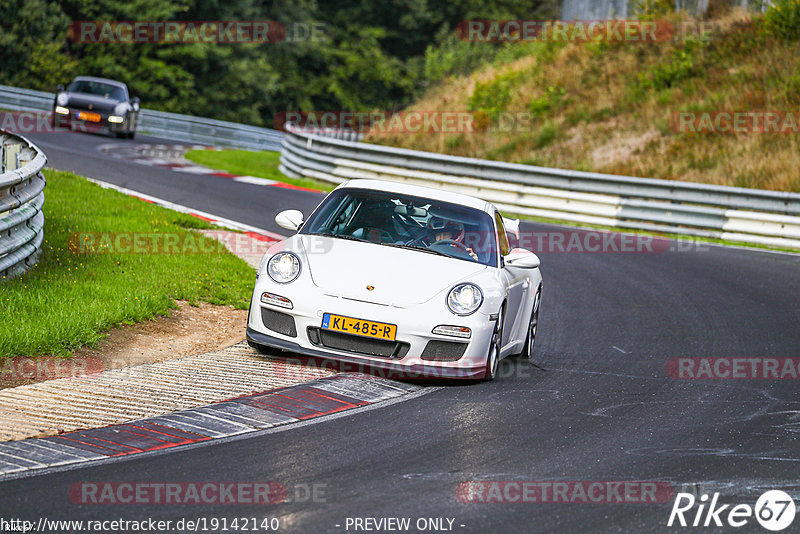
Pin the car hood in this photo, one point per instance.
(83, 100)
(399, 277)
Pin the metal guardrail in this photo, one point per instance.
(729, 213)
(162, 124)
(21, 200)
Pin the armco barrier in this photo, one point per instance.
(21, 200)
(729, 213)
(162, 124)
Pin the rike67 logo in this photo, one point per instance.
(774, 510)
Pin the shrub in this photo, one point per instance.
(552, 97)
(652, 9)
(782, 19)
(667, 74)
(493, 97)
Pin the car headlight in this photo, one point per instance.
(283, 267)
(464, 299)
(62, 99)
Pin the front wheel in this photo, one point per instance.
(260, 348)
(493, 357)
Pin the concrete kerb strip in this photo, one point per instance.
(221, 421)
(119, 395)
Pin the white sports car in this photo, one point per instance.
(398, 277)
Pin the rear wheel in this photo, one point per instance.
(527, 350)
(493, 357)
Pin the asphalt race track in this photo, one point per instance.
(79, 153)
(599, 406)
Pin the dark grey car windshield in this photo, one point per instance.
(106, 90)
(404, 221)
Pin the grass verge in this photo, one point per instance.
(249, 163)
(74, 294)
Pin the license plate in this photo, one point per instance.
(88, 116)
(359, 327)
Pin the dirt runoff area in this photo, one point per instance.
(188, 330)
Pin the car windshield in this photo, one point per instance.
(106, 90)
(404, 221)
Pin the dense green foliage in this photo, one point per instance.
(369, 55)
(783, 19)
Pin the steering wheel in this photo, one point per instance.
(452, 242)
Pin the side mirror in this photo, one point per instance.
(60, 88)
(523, 260)
(512, 227)
(290, 219)
(135, 103)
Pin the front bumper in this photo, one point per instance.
(411, 353)
(351, 363)
(71, 119)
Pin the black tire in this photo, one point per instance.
(533, 324)
(260, 348)
(493, 356)
(131, 134)
(58, 124)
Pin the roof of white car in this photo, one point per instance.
(420, 191)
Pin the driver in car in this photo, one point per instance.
(444, 230)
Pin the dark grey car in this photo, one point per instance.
(95, 103)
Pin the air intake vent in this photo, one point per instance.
(443, 351)
(279, 322)
(357, 344)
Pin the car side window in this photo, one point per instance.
(345, 214)
(502, 237)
